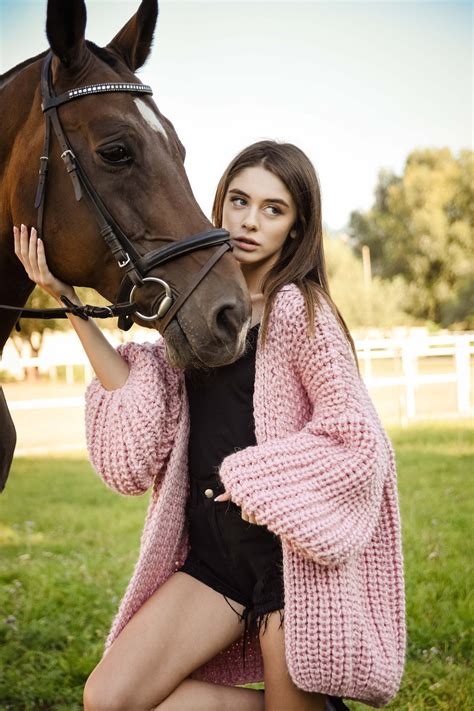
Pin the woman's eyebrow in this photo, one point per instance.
(241, 192)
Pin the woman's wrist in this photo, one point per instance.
(71, 295)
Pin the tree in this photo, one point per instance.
(32, 331)
(420, 227)
(379, 303)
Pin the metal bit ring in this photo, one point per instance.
(165, 303)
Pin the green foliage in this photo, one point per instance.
(69, 547)
(380, 303)
(33, 330)
(421, 227)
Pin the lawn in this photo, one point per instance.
(69, 545)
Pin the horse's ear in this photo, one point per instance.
(133, 42)
(65, 29)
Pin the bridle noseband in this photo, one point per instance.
(134, 265)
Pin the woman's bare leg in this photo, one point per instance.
(182, 626)
(192, 695)
(280, 691)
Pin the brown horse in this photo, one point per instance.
(134, 159)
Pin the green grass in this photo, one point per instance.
(68, 546)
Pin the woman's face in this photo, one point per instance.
(259, 213)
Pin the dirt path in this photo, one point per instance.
(49, 417)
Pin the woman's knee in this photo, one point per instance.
(102, 695)
(108, 688)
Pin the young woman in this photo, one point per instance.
(271, 548)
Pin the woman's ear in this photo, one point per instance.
(293, 234)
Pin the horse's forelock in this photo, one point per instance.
(104, 54)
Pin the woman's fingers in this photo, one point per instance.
(249, 519)
(44, 273)
(44, 277)
(16, 240)
(32, 258)
(223, 497)
(31, 252)
(22, 247)
(226, 497)
(28, 253)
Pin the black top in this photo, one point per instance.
(221, 411)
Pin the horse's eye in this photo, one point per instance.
(115, 154)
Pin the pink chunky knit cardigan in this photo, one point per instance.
(322, 477)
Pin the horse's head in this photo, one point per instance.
(132, 156)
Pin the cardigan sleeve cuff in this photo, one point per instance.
(130, 430)
(319, 493)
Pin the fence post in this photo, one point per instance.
(463, 374)
(410, 368)
(88, 372)
(367, 361)
(69, 374)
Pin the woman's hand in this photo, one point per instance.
(226, 497)
(111, 369)
(30, 252)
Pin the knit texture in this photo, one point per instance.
(322, 477)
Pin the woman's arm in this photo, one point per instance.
(109, 366)
(132, 406)
(130, 431)
(321, 488)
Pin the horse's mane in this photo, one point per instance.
(5, 78)
(100, 52)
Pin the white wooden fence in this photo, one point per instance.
(414, 361)
(409, 353)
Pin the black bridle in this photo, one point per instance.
(134, 265)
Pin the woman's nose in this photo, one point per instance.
(250, 221)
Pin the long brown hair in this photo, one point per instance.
(302, 261)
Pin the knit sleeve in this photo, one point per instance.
(130, 430)
(321, 487)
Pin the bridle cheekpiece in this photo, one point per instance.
(134, 265)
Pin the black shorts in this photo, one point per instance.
(241, 560)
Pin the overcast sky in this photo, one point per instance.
(357, 85)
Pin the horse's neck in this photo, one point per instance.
(15, 71)
(20, 135)
(17, 92)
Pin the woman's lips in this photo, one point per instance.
(246, 246)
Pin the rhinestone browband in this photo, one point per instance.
(54, 101)
(97, 88)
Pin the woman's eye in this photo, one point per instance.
(115, 154)
(240, 202)
(273, 210)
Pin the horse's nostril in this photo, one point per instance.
(229, 317)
